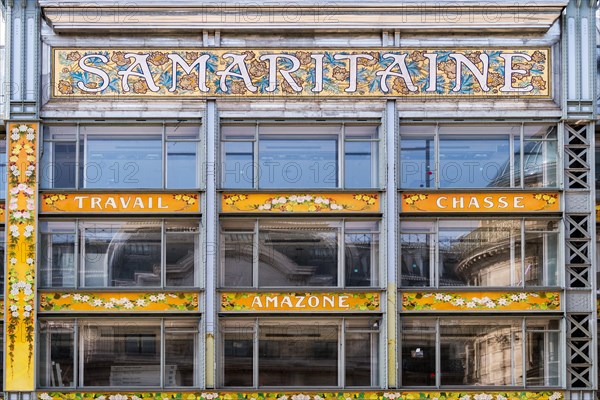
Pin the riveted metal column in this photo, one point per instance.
(579, 219)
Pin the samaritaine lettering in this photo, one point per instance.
(196, 73)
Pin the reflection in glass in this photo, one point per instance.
(307, 256)
(180, 353)
(361, 352)
(181, 253)
(122, 253)
(417, 162)
(542, 362)
(418, 352)
(238, 168)
(120, 353)
(57, 263)
(285, 162)
(288, 355)
(56, 347)
(481, 352)
(237, 359)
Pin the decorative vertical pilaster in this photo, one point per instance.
(21, 239)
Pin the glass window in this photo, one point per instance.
(110, 253)
(287, 352)
(299, 253)
(484, 353)
(478, 156)
(481, 352)
(119, 353)
(281, 156)
(151, 156)
(418, 352)
(500, 252)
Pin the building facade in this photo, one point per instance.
(306, 201)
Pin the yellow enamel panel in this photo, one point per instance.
(21, 233)
(478, 301)
(306, 395)
(117, 301)
(297, 301)
(390, 72)
(480, 202)
(300, 202)
(145, 203)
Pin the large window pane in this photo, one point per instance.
(123, 157)
(360, 164)
(238, 357)
(56, 366)
(238, 168)
(123, 353)
(57, 267)
(297, 255)
(122, 253)
(542, 361)
(181, 344)
(418, 352)
(472, 161)
(298, 355)
(416, 252)
(361, 353)
(481, 352)
(362, 254)
(541, 253)
(182, 166)
(310, 162)
(182, 252)
(417, 162)
(540, 156)
(479, 253)
(237, 253)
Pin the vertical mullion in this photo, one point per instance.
(255, 253)
(255, 158)
(77, 157)
(255, 334)
(524, 350)
(523, 239)
(434, 280)
(341, 162)
(522, 156)
(164, 155)
(438, 361)
(436, 156)
(78, 248)
(342, 354)
(75, 353)
(163, 253)
(511, 159)
(162, 352)
(341, 273)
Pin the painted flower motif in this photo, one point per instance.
(118, 57)
(158, 58)
(73, 56)
(65, 87)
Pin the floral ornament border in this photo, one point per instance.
(334, 73)
(301, 202)
(549, 198)
(363, 301)
(21, 255)
(410, 201)
(472, 301)
(308, 395)
(186, 202)
(128, 302)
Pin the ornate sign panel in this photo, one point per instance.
(300, 202)
(117, 301)
(81, 202)
(478, 301)
(194, 73)
(308, 302)
(480, 202)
